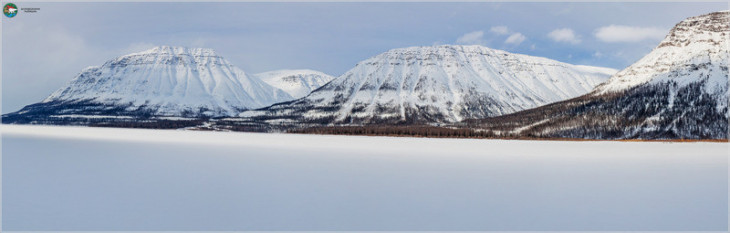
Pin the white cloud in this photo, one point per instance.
(620, 33)
(515, 39)
(564, 35)
(475, 37)
(499, 30)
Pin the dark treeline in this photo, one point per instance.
(151, 124)
(409, 131)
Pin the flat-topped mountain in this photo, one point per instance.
(437, 84)
(162, 81)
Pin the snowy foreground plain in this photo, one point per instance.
(67, 178)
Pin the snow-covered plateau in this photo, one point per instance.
(84, 178)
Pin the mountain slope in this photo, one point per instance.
(163, 81)
(437, 84)
(679, 90)
(296, 83)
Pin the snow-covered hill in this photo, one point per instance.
(162, 81)
(679, 90)
(296, 83)
(438, 84)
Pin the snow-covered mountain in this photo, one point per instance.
(162, 81)
(695, 50)
(679, 90)
(296, 83)
(438, 84)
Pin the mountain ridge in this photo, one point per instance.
(677, 91)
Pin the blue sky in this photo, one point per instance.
(42, 51)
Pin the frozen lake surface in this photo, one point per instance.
(66, 178)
